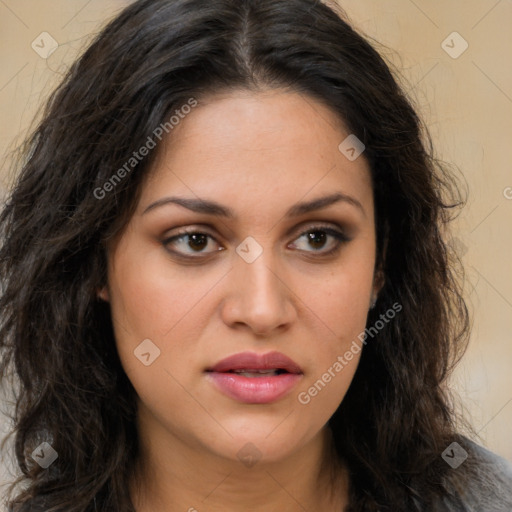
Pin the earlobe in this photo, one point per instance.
(378, 282)
(103, 294)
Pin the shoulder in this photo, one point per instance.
(488, 485)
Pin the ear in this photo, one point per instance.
(379, 279)
(379, 276)
(103, 294)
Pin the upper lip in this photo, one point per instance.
(253, 361)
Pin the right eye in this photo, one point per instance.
(189, 242)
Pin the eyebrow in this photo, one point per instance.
(212, 208)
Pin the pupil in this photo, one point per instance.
(318, 238)
(197, 241)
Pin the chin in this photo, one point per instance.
(263, 441)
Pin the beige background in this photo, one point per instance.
(466, 101)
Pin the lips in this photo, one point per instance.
(255, 378)
(249, 361)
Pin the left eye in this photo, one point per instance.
(320, 237)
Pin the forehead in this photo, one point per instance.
(256, 145)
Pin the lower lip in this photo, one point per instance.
(255, 390)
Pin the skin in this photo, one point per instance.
(258, 154)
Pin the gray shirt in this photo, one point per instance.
(491, 491)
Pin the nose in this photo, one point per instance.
(259, 298)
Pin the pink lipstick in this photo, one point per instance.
(255, 378)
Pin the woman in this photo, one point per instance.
(224, 281)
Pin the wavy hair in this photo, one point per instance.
(56, 337)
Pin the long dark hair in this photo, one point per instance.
(56, 337)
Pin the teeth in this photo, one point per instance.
(256, 373)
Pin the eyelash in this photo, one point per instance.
(339, 236)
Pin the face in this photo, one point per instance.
(245, 273)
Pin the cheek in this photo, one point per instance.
(321, 394)
(338, 348)
(150, 296)
(340, 306)
(341, 301)
(345, 299)
(153, 300)
(342, 320)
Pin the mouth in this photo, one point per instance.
(255, 378)
(257, 364)
(253, 372)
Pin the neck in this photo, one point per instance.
(175, 476)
